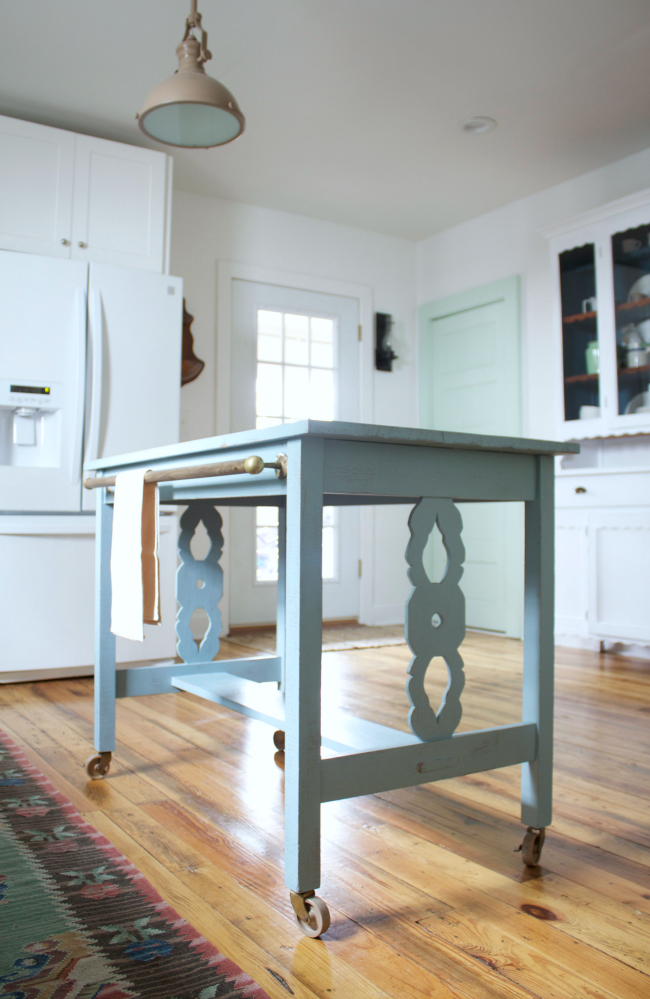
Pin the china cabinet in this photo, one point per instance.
(602, 265)
(83, 198)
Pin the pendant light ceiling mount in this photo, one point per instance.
(191, 109)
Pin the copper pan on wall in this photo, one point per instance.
(191, 365)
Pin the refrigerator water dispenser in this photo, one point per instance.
(30, 423)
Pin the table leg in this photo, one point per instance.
(537, 777)
(303, 674)
(282, 583)
(97, 765)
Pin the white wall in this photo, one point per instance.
(506, 242)
(206, 230)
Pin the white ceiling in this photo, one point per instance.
(353, 106)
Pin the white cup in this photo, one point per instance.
(589, 412)
(638, 358)
(590, 304)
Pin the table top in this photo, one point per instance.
(371, 433)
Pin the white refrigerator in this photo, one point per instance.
(89, 367)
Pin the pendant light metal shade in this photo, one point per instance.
(190, 108)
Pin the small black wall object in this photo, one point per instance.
(384, 353)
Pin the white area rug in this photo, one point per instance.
(336, 638)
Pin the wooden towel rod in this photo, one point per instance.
(253, 465)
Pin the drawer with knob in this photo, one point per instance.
(581, 491)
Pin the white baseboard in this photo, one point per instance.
(63, 672)
(608, 645)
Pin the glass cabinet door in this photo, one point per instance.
(580, 352)
(631, 268)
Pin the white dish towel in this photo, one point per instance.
(135, 567)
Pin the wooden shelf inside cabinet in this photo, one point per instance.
(622, 373)
(580, 317)
(626, 306)
(630, 372)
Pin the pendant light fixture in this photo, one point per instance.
(190, 108)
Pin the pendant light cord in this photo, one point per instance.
(194, 21)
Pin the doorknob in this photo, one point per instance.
(580, 489)
(82, 246)
(65, 242)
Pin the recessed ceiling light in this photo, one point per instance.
(473, 126)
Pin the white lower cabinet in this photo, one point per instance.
(602, 578)
(619, 574)
(571, 573)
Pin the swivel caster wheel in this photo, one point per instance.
(312, 914)
(98, 765)
(278, 739)
(531, 848)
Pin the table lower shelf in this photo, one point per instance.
(263, 701)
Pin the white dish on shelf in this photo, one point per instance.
(640, 289)
(644, 330)
(639, 404)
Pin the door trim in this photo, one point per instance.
(229, 271)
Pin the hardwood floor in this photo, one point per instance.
(428, 897)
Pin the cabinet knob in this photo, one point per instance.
(82, 246)
(580, 489)
(65, 242)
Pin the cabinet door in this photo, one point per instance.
(626, 244)
(579, 299)
(619, 575)
(119, 204)
(36, 170)
(570, 574)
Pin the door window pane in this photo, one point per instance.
(266, 548)
(580, 348)
(269, 336)
(296, 393)
(322, 342)
(631, 257)
(321, 394)
(296, 339)
(296, 380)
(269, 389)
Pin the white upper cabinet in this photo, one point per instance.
(75, 196)
(602, 266)
(36, 181)
(118, 214)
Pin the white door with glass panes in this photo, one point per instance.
(294, 356)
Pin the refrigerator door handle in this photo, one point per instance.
(80, 340)
(96, 330)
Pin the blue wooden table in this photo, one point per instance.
(300, 467)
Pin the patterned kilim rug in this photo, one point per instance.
(78, 921)
(336, 637)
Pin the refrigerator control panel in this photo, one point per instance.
(18, 393)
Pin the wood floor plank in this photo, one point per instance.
(427, 896)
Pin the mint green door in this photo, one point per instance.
(470, 381)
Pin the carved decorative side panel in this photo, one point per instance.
(435, 618)
(199, 583)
